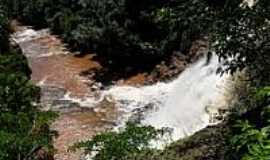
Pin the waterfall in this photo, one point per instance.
(185, 110)
(181, 105)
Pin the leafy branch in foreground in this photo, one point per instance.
(24, 129)
(252, 143)
(117, 146)
(252, 139)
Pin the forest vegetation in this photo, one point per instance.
(24, 130)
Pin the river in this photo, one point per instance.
(188, 103)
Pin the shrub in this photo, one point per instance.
(112, 145)
(24, 129)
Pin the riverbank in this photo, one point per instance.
(48, 47)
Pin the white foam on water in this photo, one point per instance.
(195, 89)
(87, 102)
(129, 98)
(29, 35)
(180, 104)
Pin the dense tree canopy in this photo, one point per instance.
(127, 30)
(134, 31)
(242, 36)
(3, 31)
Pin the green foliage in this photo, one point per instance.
(242, 37)
(137, 31)
(23, 128)
(251, 138)
(21, 135)
(114, 145)
(3, 31)
(207, 144)
(16, 93)
(129, 30)
(252, 143)
(117, 29)
(14, 63)
(30, 11)
(264, 92)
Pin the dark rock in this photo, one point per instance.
(51, 93)
(65, 106)
(140, 113)
(42, 154)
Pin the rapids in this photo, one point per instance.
(184, 105)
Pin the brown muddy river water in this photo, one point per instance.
(58, 73)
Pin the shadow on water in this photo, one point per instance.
(113, 71)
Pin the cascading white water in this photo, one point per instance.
(185, 110)
(182, 104)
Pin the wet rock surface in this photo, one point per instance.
(139, 113)
(50, 94)
(81, 125)
(53, 99)
(171, 67)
